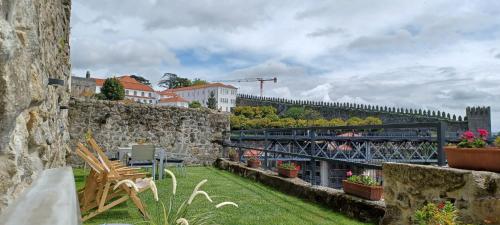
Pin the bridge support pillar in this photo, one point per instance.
(324, 173)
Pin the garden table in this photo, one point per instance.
(160, 155)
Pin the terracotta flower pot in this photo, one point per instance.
(288, 173)
(253, 163)
(373, 193)
(486, 159)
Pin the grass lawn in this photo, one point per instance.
(258, 204)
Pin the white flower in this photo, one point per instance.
(174, 180)
(154, 189)
(226, 203)
(182, 221)
(129, 183)
(195, 191)
(203, 193)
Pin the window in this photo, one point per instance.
(150, 101)
(142, 93)
(135, 93)
(150, 95)
(126, 92)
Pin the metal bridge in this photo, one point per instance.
(364, 146)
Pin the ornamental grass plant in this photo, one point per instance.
(180, 214)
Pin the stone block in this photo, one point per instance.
(408, 187)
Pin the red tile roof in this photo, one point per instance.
(128, 83)
(171, 97)
(199, 87)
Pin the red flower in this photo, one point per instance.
(468, 135)
(297, 167)
(280, 162)
(349, 173)
(482, 133)
(441, 205)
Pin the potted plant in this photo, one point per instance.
(362, 186)
(288, 169)
(472, 152)
(253, 162)
(233, 155)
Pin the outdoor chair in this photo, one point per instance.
(98, 195)
(179, 165)
(143, 156)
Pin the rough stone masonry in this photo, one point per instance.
(34, 47)
(476, 194)
(195, 135)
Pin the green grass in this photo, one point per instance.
(258, 204)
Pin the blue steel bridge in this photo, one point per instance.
(363, 147)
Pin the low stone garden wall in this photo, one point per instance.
(407, 188)
(363, 210)
(195, 135)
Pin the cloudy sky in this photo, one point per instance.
(437, 55)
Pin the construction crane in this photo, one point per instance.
(261, 80)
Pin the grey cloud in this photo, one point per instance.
(326, 32)
(211, 14)
(497, 56)
(87, 53)
(272, 68)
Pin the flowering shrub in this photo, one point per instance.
(361, 179)
(497, 141)
(288, 165)
(469, 139)
(441, 214)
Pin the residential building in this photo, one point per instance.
(134, 90)
(171, 99)
(224, 94)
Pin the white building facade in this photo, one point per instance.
(172, 99)
(134, 90)
(224, 94)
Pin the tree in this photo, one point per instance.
(372, 121)
(355, 121)
(198, 81)
(295, 113)
(141, 79)
(168, 80)
(212, 102)
(171, 80)
(195, 104)
(311, 114)
(112, 89)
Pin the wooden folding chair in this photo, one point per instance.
(98, 195)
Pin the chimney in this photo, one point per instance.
(87, 75)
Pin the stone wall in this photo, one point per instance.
(195, 135)
(34, 47)
(480, 116)
(337, 200)
(82, 86)
(409, 187)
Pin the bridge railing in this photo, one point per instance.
(362, 146)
